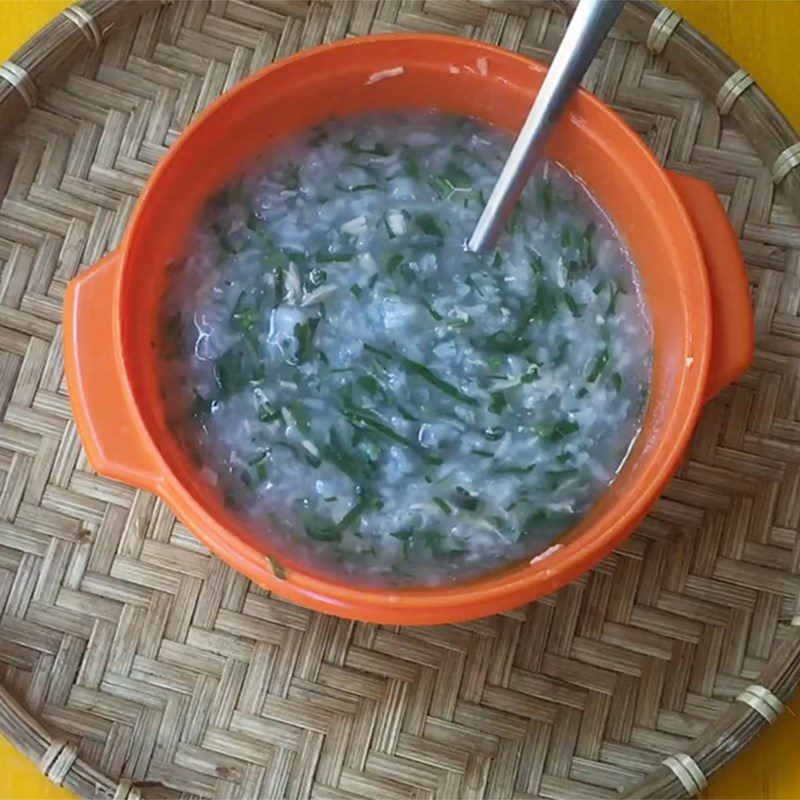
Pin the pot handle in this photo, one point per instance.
(733, 339)
(101, 400)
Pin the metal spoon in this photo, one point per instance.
(585, 33)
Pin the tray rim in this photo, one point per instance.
(86, 25)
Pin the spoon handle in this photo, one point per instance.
(585, 33)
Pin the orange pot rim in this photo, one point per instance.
(496, 591)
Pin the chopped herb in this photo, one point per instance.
(295, 256)
(544, 304)
(587, 253)
(244, 319)
(443, 505)
(202, 408)
(616, 381)
(572, 304)
(378, 150)
(556, 477)
(266, 413)
(499, 403)
(406, 414)
(355, 289)
(326, 256)
(277, 568)
(364, 419)
(562, 429)
(172, 333)
(254, 221)
(292, 181)
(428, 225)
(598, 365)
(231, 374)
(547, 197)
(504, 342)
(514, 470)
(394, 262)
(304, 333)
(470, 281)
(494, 434)
(466, 500)
(458, 177)
(420, 370)
(224, 240)
(318, 136)
(432, 311)
(317, 277)
(247, 479)
(443, 188)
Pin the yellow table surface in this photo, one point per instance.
(762, 36)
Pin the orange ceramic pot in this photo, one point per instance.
(692, 273)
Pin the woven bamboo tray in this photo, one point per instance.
(134, 663)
